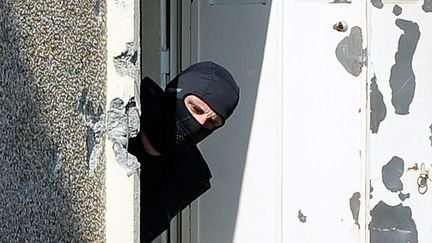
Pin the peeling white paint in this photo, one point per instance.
(401, 53)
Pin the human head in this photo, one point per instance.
(210, 82)
(206, 82)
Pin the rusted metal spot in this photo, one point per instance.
(340, 26)
(415, 167)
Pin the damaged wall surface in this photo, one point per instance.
(52, 93)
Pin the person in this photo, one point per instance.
(174, 173)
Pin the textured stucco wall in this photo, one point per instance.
(52, 102)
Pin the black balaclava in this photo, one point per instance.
(173, 128)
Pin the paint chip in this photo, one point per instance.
(397, 10)
(403, 197)
(377, 106)
(301, 217)
(402, 78)
(355, 207)
(391, 174)
(350, 52)
(377, 4)
(392, 224)
(427, 6)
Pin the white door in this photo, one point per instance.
(244, 203)
(289, 165)
(401, 104)
(324, 119)
(335, 112)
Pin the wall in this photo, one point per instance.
(123, 68)
(52, 92)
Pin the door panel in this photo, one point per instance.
(325, 146)
(323, 122)
(400, 67)
(243, 204)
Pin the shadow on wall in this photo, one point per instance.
(49, 192)
(235, 37)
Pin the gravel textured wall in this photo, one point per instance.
(52, 102)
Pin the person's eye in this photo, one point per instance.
(198, 110)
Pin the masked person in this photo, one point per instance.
(173, 172)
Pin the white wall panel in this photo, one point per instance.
(403, 135)
(308, 137)
(323, 124)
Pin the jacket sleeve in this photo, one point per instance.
(151, 100)
(183, 179)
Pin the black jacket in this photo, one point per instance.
(170, 182)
